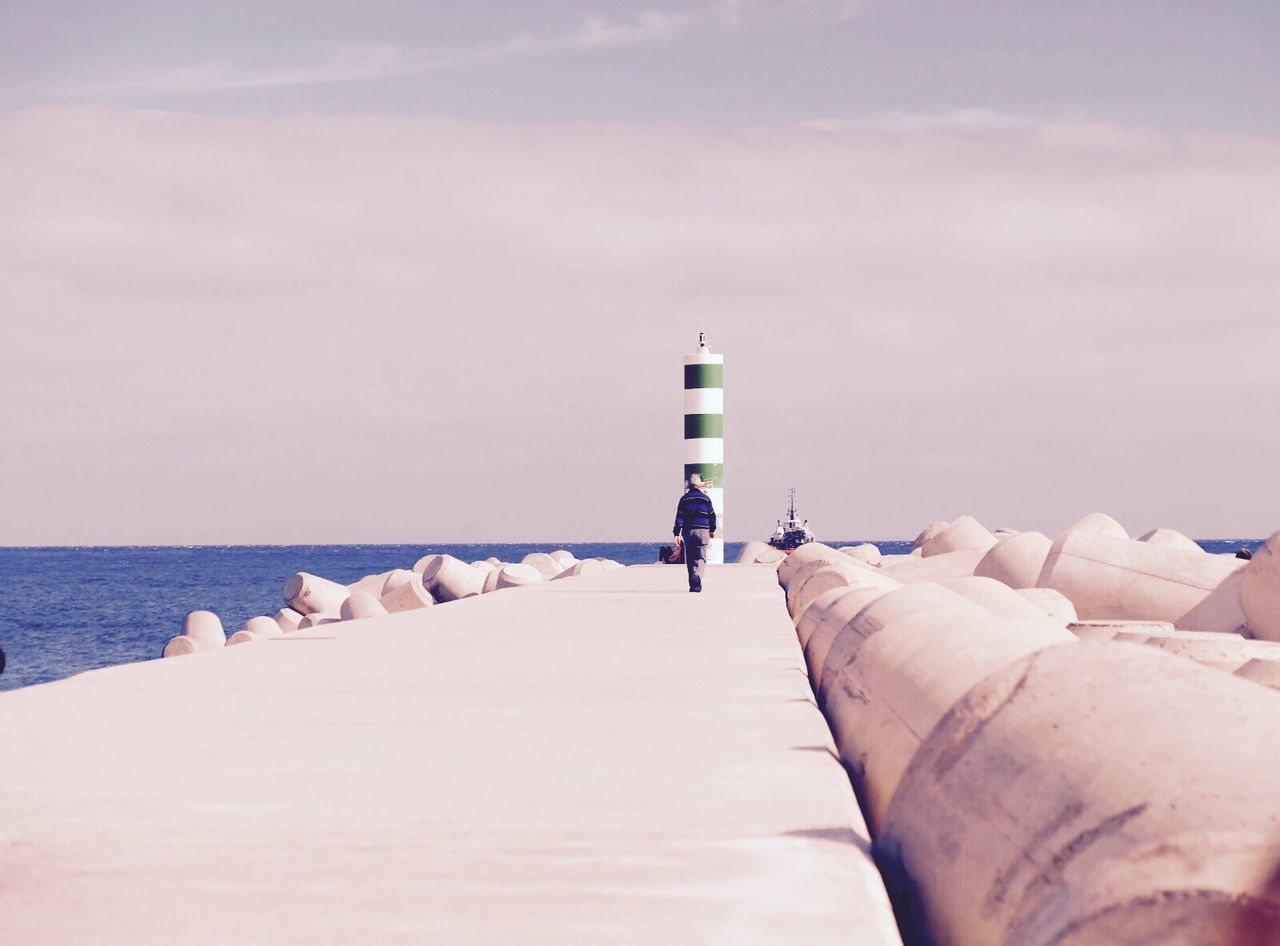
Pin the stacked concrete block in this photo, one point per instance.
(317, 619)
(1059, 803)
(519, 576)
(1221, 610)
(1110, 630)
(929, 531)
(408, 596)
(1172, 538)
(956, 705)
(491, 580)
(1264, 672)
(201, 630)
(588, 567)
(1095, 523)
(893, 689)
(1053, 603)
(451, 579)
(866, 552)
(287, 620)
(546, 566)
(310, 594)
(564, 558)
(1110, 577)
(963, 534)
(941, 567)
(1260, 591)
(361, 604)
(1016, 560)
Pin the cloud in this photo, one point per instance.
(351, 317)
(375, 63)
(598, 32)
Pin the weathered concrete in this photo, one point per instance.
(409, 596)
(1054, 604)
(360, 605)
(1109, 577)
(942, 567)
(311, 594)
(1095, 523)
(1016, 560)
(1172, 538)
(959, 535)
(883, 699)
(1094, 794)
(609, 760)
(1260, 591)
(1107, 630)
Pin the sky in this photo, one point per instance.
(282, 272)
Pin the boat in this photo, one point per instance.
(792, 533)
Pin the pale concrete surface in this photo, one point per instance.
(602, 760)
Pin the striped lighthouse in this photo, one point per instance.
(704, 431)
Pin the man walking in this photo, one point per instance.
(696, 527)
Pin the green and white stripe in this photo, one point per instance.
(704, 432)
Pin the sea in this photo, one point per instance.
(72, 609)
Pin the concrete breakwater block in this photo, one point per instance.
(996, 597)
(1227, 652)
(1095, 523)
(518, 576)
(1263, 672)
(1172, 538)
(820, 575)
(205, 628)
(311, 594)
(866, 552)
(588, 567)
(834, 623)
(816, 610)
(805, 555)
(491, 580)
(927, 533)
(1109, 577)
(563, 557)
(1221, 610)
(201, 630)
(883, 698)
(958, 535)
(317, 619)
(407, 597)
(546, 566)
(1017, 560)
(943, 567)
(179, 647)
(361, 604)
(287, 619)
(1053, 603)
(750, 551)
(242, 637)
(372, 584)
(483, 567)
(1030, 817)
(1108, 630)
(264, 627)
(1260, 591)
(451, 579)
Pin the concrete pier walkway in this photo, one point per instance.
(600, 760)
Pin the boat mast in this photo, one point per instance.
(791, 507)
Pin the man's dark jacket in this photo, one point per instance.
(695, 511)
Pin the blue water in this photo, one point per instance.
(74, 609)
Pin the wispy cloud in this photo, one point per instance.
(598, 32)
(377, 63)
